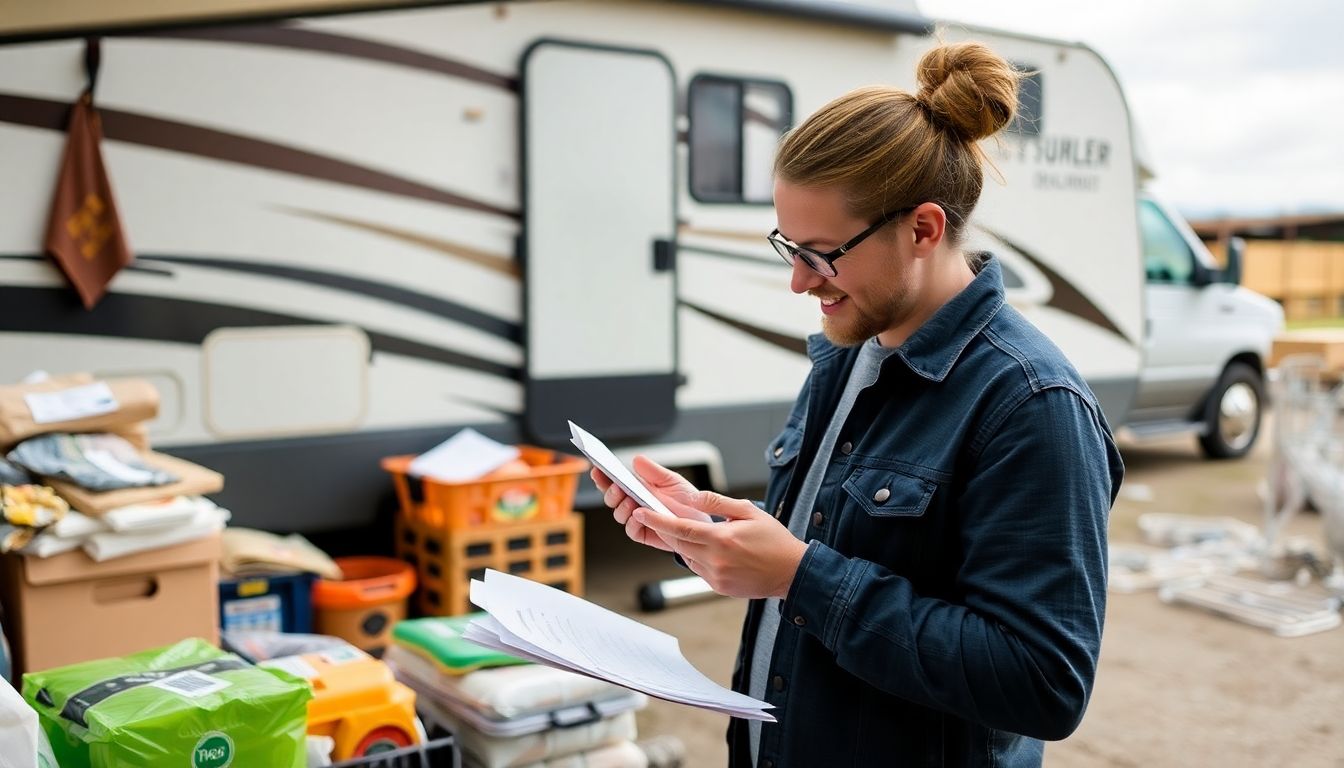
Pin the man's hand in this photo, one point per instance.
(749, 554)
(662, 481)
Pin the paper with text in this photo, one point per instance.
(551, 627)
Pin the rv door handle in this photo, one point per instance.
(664, 255)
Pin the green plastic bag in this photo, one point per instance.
(188, 705)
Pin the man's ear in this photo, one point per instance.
(929, 222)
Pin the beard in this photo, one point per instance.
(870, 315)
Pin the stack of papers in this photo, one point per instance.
(598, 453)
(550, 627)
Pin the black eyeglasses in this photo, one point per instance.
(824, 263)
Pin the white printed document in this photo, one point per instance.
(598, 453)
(543, 624)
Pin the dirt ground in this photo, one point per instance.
(1175, 687)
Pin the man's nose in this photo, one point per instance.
(804, 277)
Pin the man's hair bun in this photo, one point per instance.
(967, 89)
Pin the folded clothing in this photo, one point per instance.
(249, 552)
(165, 516)
(110, 544)
(133, 401)
(439, 640)
(26, 510)
(98, 462)
(163, 513)
(195, 481)
(11, 474)
(63, 535)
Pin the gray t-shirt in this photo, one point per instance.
(866, 367)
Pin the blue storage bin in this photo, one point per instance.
(280, 602)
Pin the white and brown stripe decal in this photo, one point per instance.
(296, 38)
(176, 136)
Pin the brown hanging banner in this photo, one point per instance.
(84, 233)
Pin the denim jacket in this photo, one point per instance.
(948, 610)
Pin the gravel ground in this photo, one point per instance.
(1175, 687)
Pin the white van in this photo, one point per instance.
(358, 232)
(1207, 341)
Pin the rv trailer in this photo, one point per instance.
(357, 232)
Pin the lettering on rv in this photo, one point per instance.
(1070, 163)
(89, 227)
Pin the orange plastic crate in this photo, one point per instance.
(544, 492)
(547, 551)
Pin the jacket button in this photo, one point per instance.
(767, 764)
(779, 451)
(817, 518)
(882, 495)
(800, 621)
(779, 509)
(777, 683)
(846, 447)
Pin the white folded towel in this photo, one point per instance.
(164, 514)
(105, 546)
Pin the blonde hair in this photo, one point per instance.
(889, 149)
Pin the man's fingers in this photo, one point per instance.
(626, 509)
(679, 528)
(656, 475)
(725, 506)
(600, 479)
(613, 496)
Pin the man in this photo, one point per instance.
(928, 578)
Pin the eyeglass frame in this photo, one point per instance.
(777, 239)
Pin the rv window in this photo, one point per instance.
(1028, 119)
(1167, 258)
(735, 126)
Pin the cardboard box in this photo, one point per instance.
(66, 609)
(1326, 343)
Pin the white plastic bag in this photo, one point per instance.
(18, 730)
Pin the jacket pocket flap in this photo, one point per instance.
(784, 448)
(884, 493)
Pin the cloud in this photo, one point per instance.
(1239, 102)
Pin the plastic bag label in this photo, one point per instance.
(191, 684)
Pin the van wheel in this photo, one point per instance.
(1232, 416)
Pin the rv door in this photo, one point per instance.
(599, 253)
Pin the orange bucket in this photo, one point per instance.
(363, 606)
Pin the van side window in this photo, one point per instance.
(1167, 258)
(735, 127)
(1027, 122)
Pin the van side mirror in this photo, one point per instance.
(1236, 251)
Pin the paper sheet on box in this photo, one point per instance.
(555, 628)
(466, 455)
(598, 453)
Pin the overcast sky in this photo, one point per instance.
(1241, 102)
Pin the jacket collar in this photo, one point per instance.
(935, 347)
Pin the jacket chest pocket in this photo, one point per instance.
(884, 515)
(781, 455)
